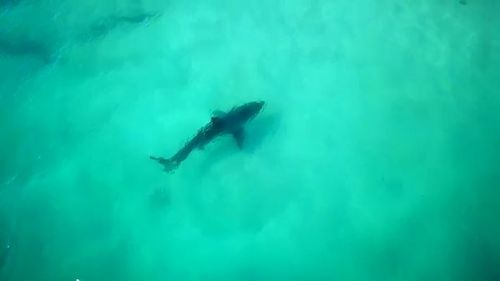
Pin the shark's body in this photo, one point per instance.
(231, 122)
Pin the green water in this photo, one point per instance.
(376, 157)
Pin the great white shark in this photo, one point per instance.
(221, 123)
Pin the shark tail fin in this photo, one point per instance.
(168, 164)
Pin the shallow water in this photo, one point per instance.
(376, 157)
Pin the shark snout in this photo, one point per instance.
(259, 105)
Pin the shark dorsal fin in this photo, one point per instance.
(215, 119)
(218, 113)
(239, 137)
(217, 116)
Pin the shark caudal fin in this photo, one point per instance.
(168, 165)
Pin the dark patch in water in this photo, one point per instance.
(4, 254)
(8, 3)
(105, 26)
(25, 48)
(160, 198)
(261, 129)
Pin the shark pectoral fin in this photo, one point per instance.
(239, 137)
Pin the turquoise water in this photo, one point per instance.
(376, 156)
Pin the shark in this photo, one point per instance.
(221, 123)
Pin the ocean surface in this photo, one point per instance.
(375, 158)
